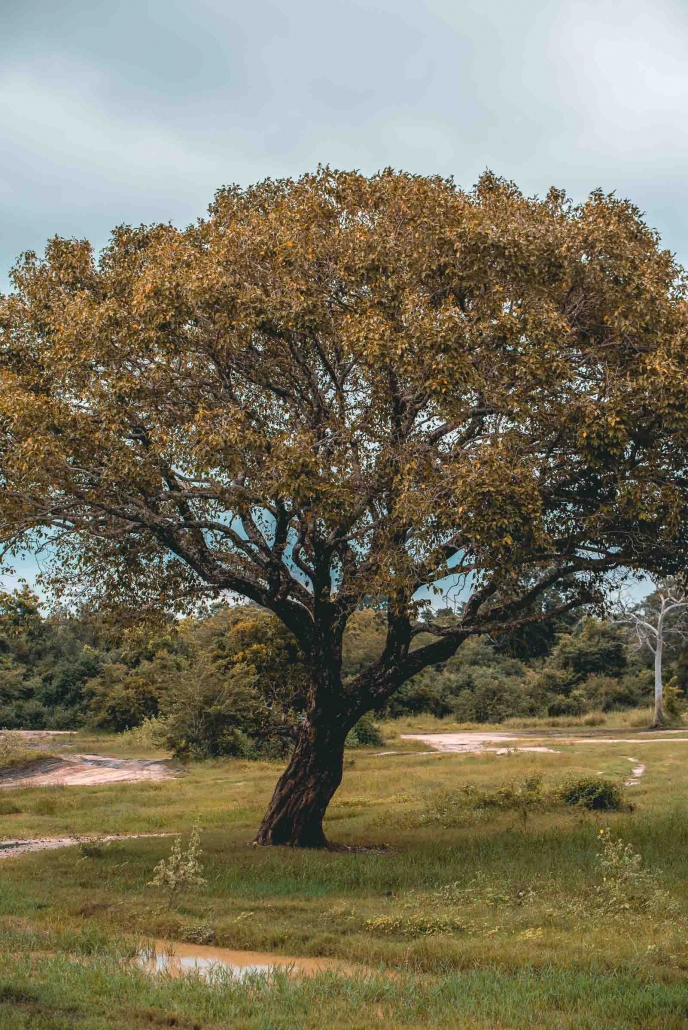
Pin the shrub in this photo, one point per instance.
(673, 698)
(626, 883)
(14, 752)
(182, 871)
(226, 715)
(451, 807)
(592, 792)
(365, 733)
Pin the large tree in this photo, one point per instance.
(343, 388)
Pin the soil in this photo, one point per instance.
(84, 771)
(14, 848)
(471, 743)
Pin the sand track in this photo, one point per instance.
(15, 848)
(84, 771)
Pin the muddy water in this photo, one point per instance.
(176, 959)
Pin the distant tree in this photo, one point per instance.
(347, 388)
(663, 615)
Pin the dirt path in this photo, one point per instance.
(474, 743)
(14, 848)
(84, 771)
(470, 743)
(637, 771)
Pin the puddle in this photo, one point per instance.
(176, 959)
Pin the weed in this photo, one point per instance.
(414, 925)
(182, 871)
(94, 847)
(198, 933)
(482, 890)
(626, 883)
(451, 807)
(14, 752)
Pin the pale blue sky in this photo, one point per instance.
(138, 111)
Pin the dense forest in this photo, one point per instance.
(232, 682)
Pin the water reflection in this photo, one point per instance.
(176, 959)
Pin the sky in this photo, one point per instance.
(126, 111)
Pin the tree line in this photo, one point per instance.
(233, 682)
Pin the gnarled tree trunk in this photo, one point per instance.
(304, 790)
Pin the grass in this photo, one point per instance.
(628, 719)
(14, 754)
(490, 921)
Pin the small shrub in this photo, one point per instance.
(365, 733)
(14, 752)
(594, 793)
(484, 891)
(415, 925)
(149, 734)
(93, 847)
(182, 871)
(198, 933)
(673, 699)
(451, 807)
(626, 883)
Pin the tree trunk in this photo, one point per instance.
(305, 789)
(659, 702)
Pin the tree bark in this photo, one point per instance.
(304, 790)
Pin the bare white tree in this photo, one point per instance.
(660, 617)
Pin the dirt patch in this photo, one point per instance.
(14, 848)
(466, 743)
(84, 771)
(637, 771)
(475, 743)
(29, 735)
(471, 743)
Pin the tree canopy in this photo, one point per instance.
(344, 387)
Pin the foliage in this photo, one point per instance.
(626, 882)
(182, 871)
(342, 388)
(242, 693)
(365, 733)
(14, 752)
(594, 793)
(450, 808)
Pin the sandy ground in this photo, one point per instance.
(475, 743)
(84, 771)
(472, 743)
(14, 848)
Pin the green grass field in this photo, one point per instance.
(474, 917)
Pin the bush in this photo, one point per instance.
(14, 752)
(627, 884)
(451, 807)
(594, 793)
(673, 698)
(228, 715)
(365, 733)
